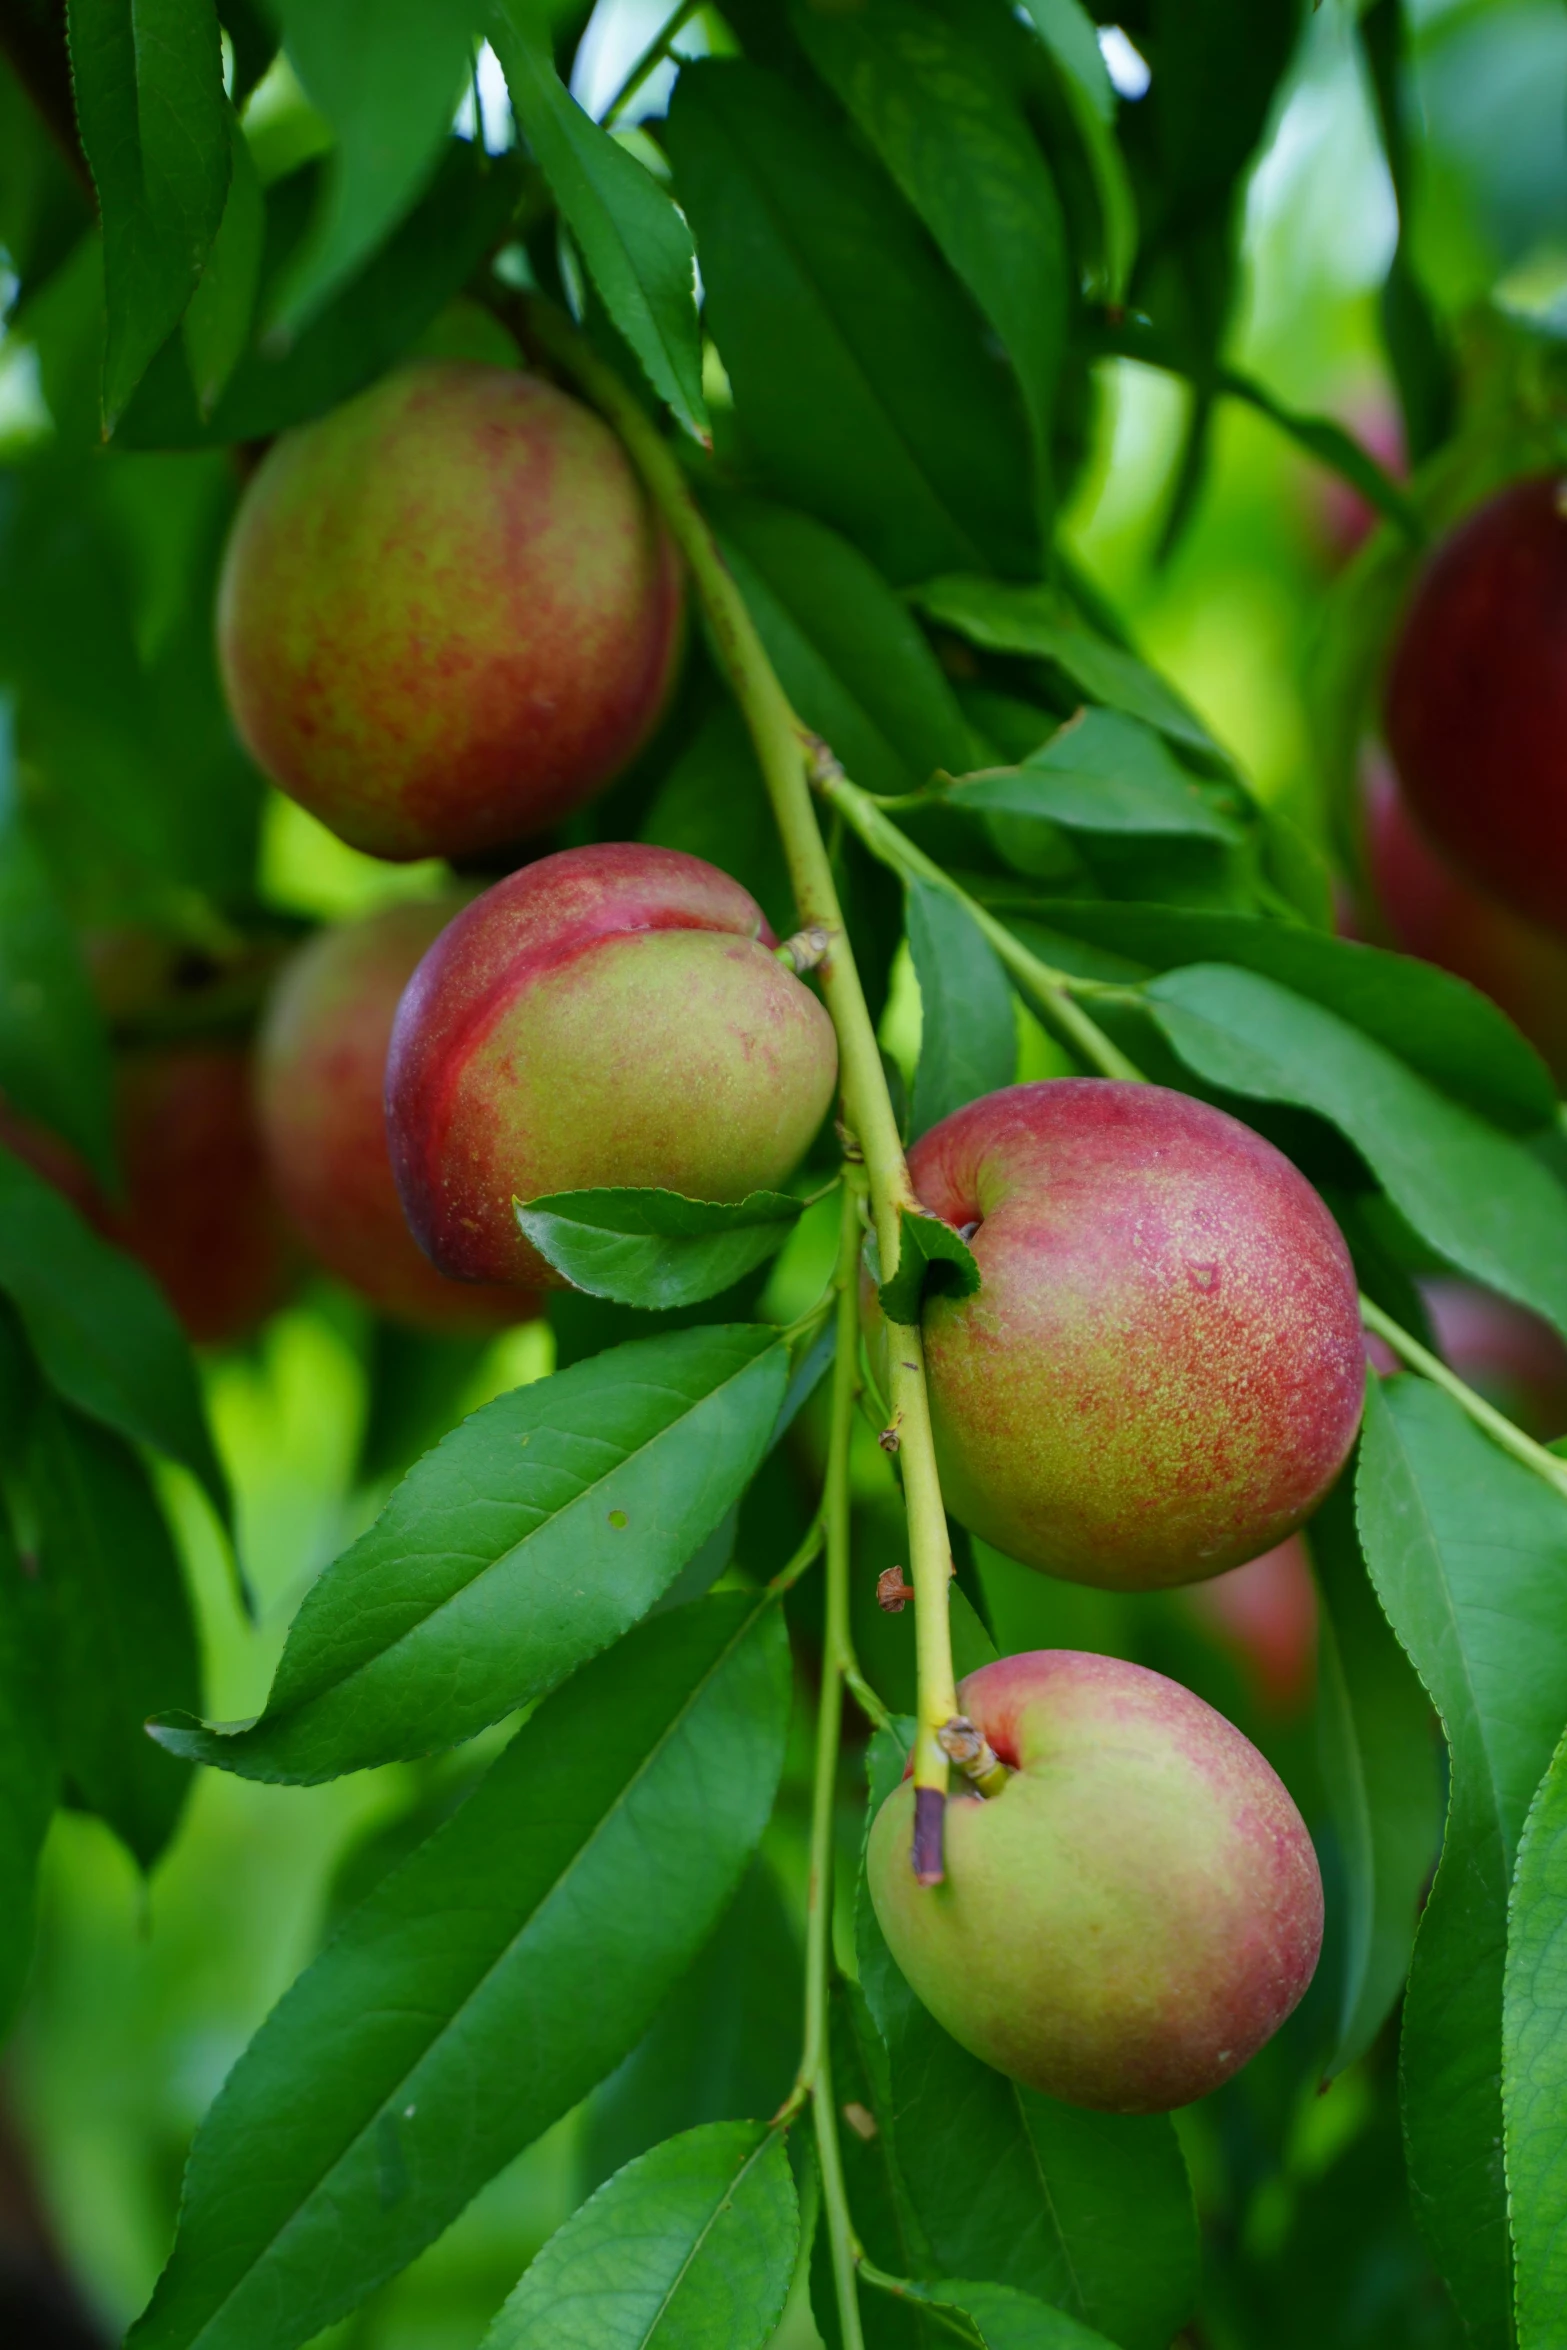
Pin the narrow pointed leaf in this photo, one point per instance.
(1445, 1029)
(1041, 623)
(928, 86)
(637, 247)
(656, 1248)
(1379, 1764)
(148, 82)
(483, 1986)
(386, 74)
(534, 1535)
(105, 1338)
(968, 1031)
(861, 377)
(1477, 1196)
(1103, 772)
(217, 323)
(1534, 2063)
(690, 2247)
(853, 661)
(1468, 1551)
(123, 1638)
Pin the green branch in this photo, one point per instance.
(1548, 1465)
(815, 2075)
(783, 748)
(1053, 993)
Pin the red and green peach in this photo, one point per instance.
(613, 1015)
(1161, 1373)
(1134, 1913)
(447, 614)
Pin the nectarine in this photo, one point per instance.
(1135, 1912)
(447, 613)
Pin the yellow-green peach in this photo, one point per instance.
(447, 614)
(1135, 1912)
(613, 1015)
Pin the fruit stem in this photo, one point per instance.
(814, 2080)
(1497, 1426)
(1053, 993)
(783, 748)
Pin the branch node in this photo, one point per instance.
(849, 1144)
(822, 764)
(889, 1439)
(807, 950)
(892, 1593)
(964, 1743)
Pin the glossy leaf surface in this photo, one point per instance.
(482, 1987)
(539, 1530)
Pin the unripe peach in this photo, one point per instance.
(1161, 1373)
(448, 614)
(198, 1208)
(322, 1079)
(1477, 699)
(612, 1015)
(1135, 1912)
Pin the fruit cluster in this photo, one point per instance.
(448, 617)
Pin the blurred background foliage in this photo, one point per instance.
(143, 1995)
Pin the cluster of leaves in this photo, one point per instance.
(919, 224)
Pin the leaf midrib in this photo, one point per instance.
(332, 1688)
(550, 1893)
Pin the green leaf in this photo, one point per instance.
(712, 804)
(533, 1536)
(968, 1032)
(637, 247)
(1001, 2318)
(1102, 772)
(690, 2247)
(859, 368)
(1440, 1025)
(1478, 1197)
(148, 82)
(29, 1766)
(386, 74)
(1090, 2212)
(1068, 33)
(933, 1260)
(925, 83)
(105, 1337)
(124, 1642)
(1468, 1551)
(656, 1248)
(484, 1986)
(1379, 1766)
(855, 666)
(723, 2046)
(1041, 622)
(217, 323)
(883, 2216)
(1534, 2062)
(378, 312)
(54, 1055)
